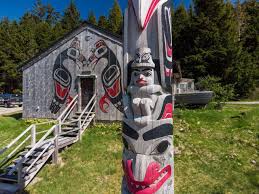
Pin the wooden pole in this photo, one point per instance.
(55, 153)
(33, 135)
(148, 102)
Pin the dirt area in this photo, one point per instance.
(7, 111)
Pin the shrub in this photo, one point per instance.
(222, 93)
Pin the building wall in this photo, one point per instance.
(92, 59)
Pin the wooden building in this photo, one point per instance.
(87, 61)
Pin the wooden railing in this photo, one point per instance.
(50, 137)
(68, 110)
(88, 109)
(28, 134)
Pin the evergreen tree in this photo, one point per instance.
(115, 18)
(39, 10)
(71, 18)
(102, 22)
(10, 56)
(52, 16)
(43, 35)
(91, 18)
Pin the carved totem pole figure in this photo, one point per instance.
(148, 103)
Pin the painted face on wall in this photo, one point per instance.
(142, 76)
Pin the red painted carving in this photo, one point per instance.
(168, 111)
(153, 180)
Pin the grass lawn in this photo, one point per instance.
(218, 154)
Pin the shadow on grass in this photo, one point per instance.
(16, 116)
(253, 178)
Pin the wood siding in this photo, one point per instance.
(38, 77)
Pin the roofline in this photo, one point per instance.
(65, 39)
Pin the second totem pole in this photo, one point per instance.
(148, 102)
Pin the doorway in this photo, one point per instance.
(87, 90)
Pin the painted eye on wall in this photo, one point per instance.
(161, 147)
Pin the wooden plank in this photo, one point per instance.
(6, 188)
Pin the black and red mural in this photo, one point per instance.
(111, 75)
(62, 77)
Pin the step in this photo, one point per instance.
(69, 128)
(65, 141)
(9, 178)
(33, 169)
(71, 134)
(41, 146)
(9, 188)
(79, 113)
(34, 154)
(70, 125)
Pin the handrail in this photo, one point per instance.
(67, 108)
(43, 151)
(69, 111)
(39, 142)
(87, 116)
(32, 149)
(87, 106)
(3, 150)
(15, 140)
(2, 162)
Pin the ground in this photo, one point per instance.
(217, 153)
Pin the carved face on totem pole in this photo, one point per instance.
(147, 130)
(148, 102)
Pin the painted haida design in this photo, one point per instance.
(111, 75)
(71, 56)
(148, 103)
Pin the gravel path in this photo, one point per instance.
(7, 111)
(255, 102)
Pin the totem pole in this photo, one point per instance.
(148, 102)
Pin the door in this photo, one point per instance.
(87, 90)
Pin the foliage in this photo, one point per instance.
(91, 18)
(102, 22)
(208, 41)
(221, 93)
(115, 18)
(71, 18)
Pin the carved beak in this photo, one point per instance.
(144, 10)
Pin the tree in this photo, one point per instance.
(102, 22)
(115, 18)
(52, 16)
(71, 18)
(91, 18)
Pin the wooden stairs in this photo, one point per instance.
(22, 164)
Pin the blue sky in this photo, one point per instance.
(14, 9)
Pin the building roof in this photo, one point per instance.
(65, 39)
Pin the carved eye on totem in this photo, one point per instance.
(136, 73)
(147, 73)
(161, 148)
(126, 144)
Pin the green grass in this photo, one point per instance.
(217, 148)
